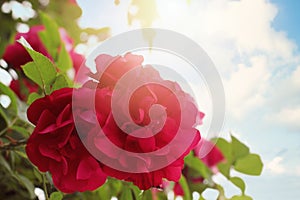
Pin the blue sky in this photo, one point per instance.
(255, 46)
(288, 18)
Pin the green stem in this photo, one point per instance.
(221, 192)
(45, 187)
(9, 125)
(185, 188)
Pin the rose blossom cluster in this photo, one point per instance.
(58, 142)
(15, 55)
(56, 147)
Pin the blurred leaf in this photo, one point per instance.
(41, 70)
(60, 82)
(251, 165)
(238, 148)
(239, 183)
(147, 195)
(56, 196)
(64, 60)
(115, 186)
(243, 197)
(146, 12)
(136, 192)
(185, 188)
(5, 164)
(50, 36)
(161, 195)
(103, 192)
(27, 184)
(12, 110)
(196, 164)
(32, 97)
(224, 168)
(22, 154)
(126, 194)
(21, 130)
(225, 148)
(37, 174)
(221, 192)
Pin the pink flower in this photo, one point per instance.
(109, 71)
(209, 153)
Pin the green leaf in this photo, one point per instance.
(27, 184)
(103, 192)
(12, 110)
(224, 168)
(239, 183)
(196, 164)
(64, 60)
(60, 82)
(50, 36)
(32, 97)
(126, 194)
(115, 186)
(201, 198)
(5, 164)
(239, 149)
(225, 148)
(250, 164)
(136, 192)
(185, 188)
(56, 196)
(21, 153)
(21, 130)
(41, 70)
(147, 195)
(243, 197)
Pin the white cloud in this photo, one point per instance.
(240, 39)
(297, 171)
(296, 77)
(246, 87)
(275, 166)
(285, 101)
(287, 116)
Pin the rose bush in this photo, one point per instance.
(55, 146)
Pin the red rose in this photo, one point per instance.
(18, 87)
(110, 71)
(16, 56)
(209, 153)
(55, 146)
